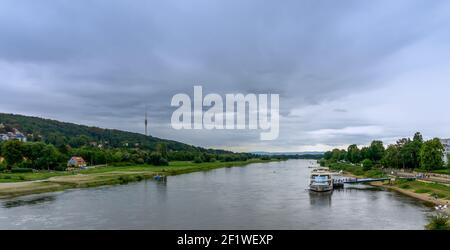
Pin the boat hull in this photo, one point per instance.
(320, 188)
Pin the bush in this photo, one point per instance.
(198, 160)
(163, 162)
(157, 160)
(438, 222)
(60, 168)
(21, 170)
(405, 186)
(367, 165)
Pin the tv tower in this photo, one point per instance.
(146, 121)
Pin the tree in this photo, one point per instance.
(406, 152)
(353, 154)
(13, 153)
(417, 143)
(367, 164)
(156, 159)
(338, 155)
(328, 155)
(33, 151)
(431, 155)
(391, 157)
(376, 151)
(162, 149)
(50, 157)
(365, 154)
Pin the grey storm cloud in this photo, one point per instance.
(102, 62)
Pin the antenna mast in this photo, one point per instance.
(146, 121)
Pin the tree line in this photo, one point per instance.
(406, 153)
(43, 156)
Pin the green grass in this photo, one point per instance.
(355, 170)
(435, 189)
(17, 177)
(422, 191)
(177, 167)
(442, 171)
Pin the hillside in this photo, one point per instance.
(57, 133)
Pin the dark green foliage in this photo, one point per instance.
(61, 133)
(376, 151)
(353, 154)
(438, 222)
(406, 153)
(431, 155)
(156, 159)
(367, 164)
(12, 151)
(21, 170)
(53, 143)
(198, 159)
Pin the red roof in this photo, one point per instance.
(78, 159)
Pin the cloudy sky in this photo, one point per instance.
(346, 71)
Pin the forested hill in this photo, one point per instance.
(58, 133)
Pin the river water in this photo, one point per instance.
(258, 196)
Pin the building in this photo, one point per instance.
(76, 162)
(446, 144)
(19, 136)
(16, 135)
(4, 137)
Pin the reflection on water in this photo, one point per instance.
(259, 196)
(320, 199)
(30, 201)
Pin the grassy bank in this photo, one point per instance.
(17, 184)
(433, 190)
(354, 169)
(433, 193)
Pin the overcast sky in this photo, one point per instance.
(346, 71)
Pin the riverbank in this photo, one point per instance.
(429, 192)
(41, 182)
(432, 193)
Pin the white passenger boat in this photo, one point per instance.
(321, 180)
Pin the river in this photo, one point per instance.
(258, 196)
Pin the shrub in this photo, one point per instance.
(124, 179)
(163, 162)
(21, 170)
(405, 186)
(61, 168)
(367, 165)
(157, 159)
(198, 160)
(438, 222)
